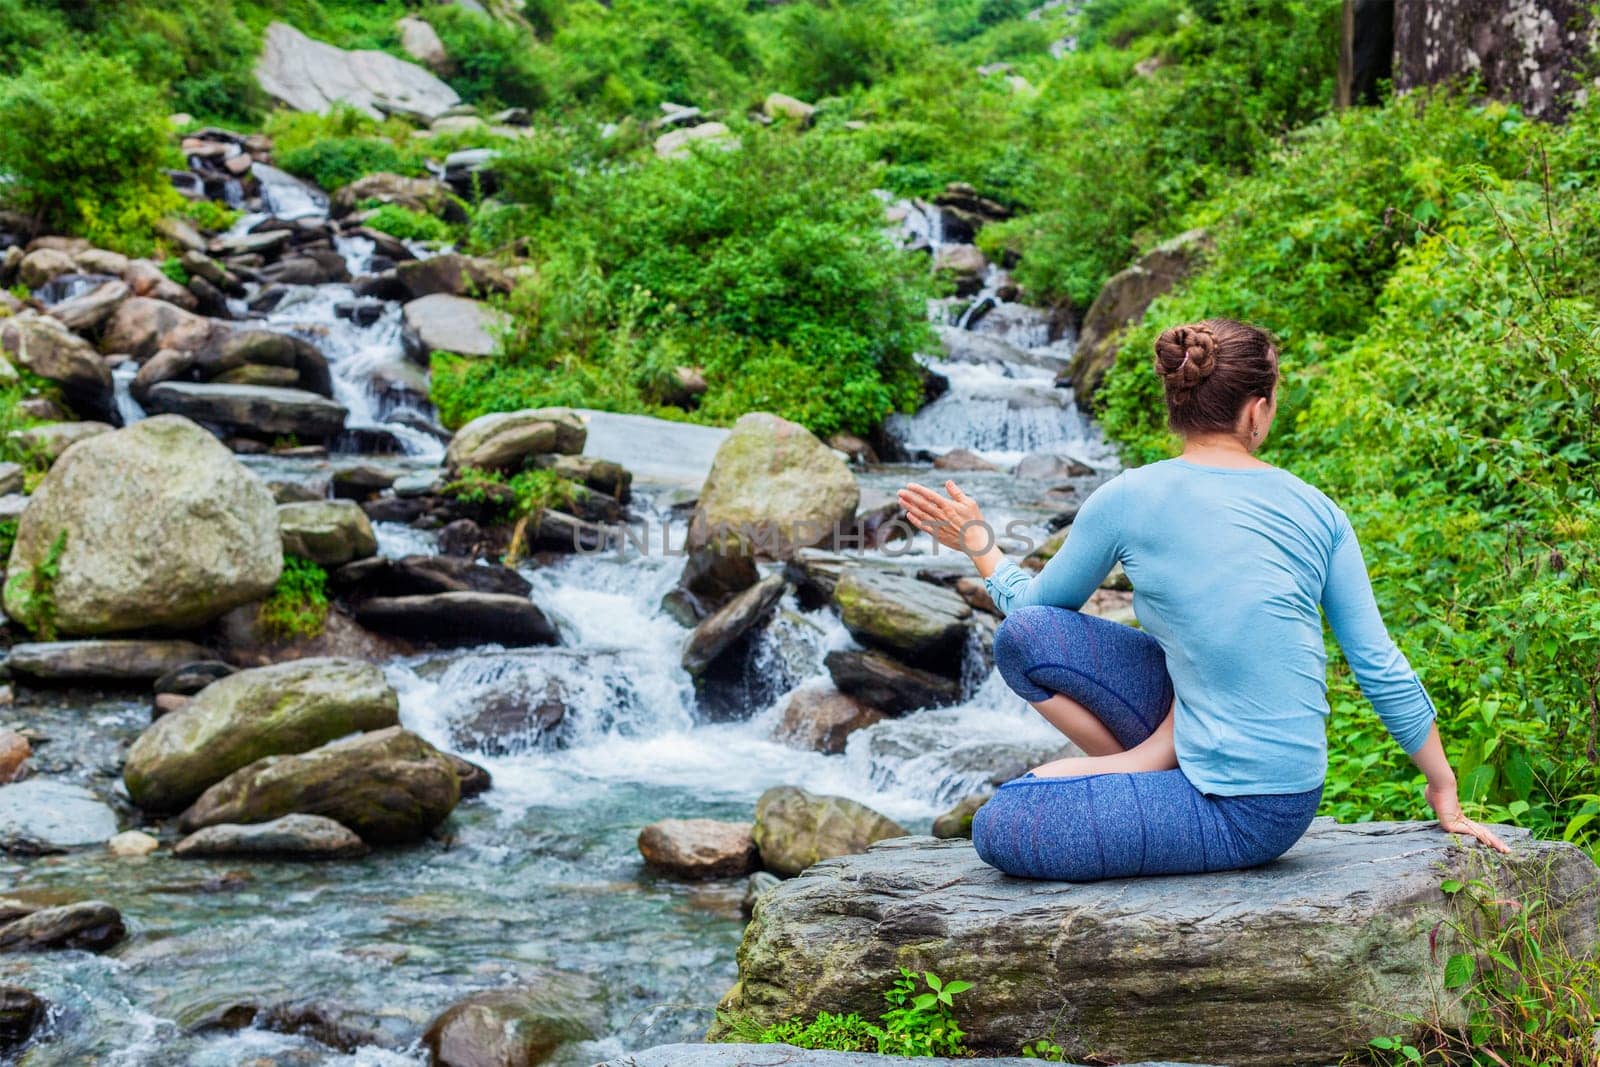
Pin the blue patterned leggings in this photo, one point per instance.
(1118, 825)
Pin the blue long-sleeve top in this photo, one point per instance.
(1229, 567)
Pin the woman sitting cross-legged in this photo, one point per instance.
(1205, 730)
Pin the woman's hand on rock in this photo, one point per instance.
(1446, 806)
(955, 521)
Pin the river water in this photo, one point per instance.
(539, 879)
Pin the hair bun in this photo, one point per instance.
(1185, 357)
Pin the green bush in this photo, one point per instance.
(493, 63)
(298, 606)
(341, 160)
(917, 1023)
(84, 143)
(406, 224)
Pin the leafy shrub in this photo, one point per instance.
(33, 591)
(341, 160)
(406, 224)
(84, 143)
(494, 63)
(210, 215)
(920, 1024)
(298, 606)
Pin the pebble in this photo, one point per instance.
(131, 844)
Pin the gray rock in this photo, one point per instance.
(21, 1013)
(1049, 467)
(721, 631)
(822, 719)
(887, 683)
(452, 273)
(39, 266)
(735, 1055)
(187, 679)
(90, 310)
(676, 144)
(441, 322)
(516, 1027)
(1530, 53)
(795, 829)
(92, 925)
(459, 618)
(307, 837)
(758, 883)
(699, 848)
(423, 575)
(142, 326)
(426, 195)
(12, 478)
(327, 532)
(308, 75)
(51, 440)
(1312, 954)
(46, 815)
(12, 505)
(504, 439)
(163, 528)
(258, 410)
(919, 621)
(109, 660)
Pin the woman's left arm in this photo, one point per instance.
(1389, 682)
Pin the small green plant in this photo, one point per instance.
(173, 268)
(209, 215)
(298, 606)
(407, 225)
(524, 493)
(1046, 1050)
(32, 593)
(919, 1022)
(8, 538)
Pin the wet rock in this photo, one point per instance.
(503, 440)
(255, 410)
(187, 679)
(132, 844)
(169, 364)
(422, 575)
(255, 374)
(922, 623)
(52, 351)
(720, 632)
(163, 528)
(310, 837)
(888, 684)
(21, 1013)
(142, 326)
(459, 618)
(41, 265)
(517, 1027)
(795, 829)
(41, 815)
(957, 822)
(774, 487)
(961, 459)
(822, 719)
(679, 143)
(1122, 301)
(308, 75)
(454, 274)
(513, 722)
(166, 704)
(964, 264)
(312, 267)
(1353, 913)
(461, 538)
(91, 926)
(50, 440)
(285, 708)
(452, 324)
(713, 578)
(270, 349)
(698, 848)
(389, 786)
(327, 532)
(759, 883)
(111, 660)
(85, 313)
(14, 752)
(1049, 467)
(425, 195)
(242, 638)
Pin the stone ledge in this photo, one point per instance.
(1292, 963)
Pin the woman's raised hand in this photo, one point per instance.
(955, 521)
(1446, 806)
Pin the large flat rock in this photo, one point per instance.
(657, 451)
(262, 410)
(308, 75)
(1293, 963)
(732, 1055)
(47, 815)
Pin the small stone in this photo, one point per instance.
(698, 848)
(167, 703)
(131, 844)
(957, 822)
(759, 883)
(14, 750)
(310, 837)
(822, 719)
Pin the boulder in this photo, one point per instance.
(957, 822)
(261, 411)
(299, 837)
(459, 618)
(1312, 954)
(52, 351)
(453, 324)
(426, 195)
(308, 75)
(781, 105)
(286, 708)
(516, 1027)
(451, 273)
(89, 311)
(14, 752)
(679, 143)
(327, 532)
(267, 348)
(1050, 467)
(41, 265)
(142, 326)
(962, 459)
(420, 41)
(147, 279)
(389, 786)
(41, 815)
(422, 575)
(699, 848)
(887, 683)
(821, 718)
(187, 679)
(964, 264)
(91, 926)
(512, 722)
(163, 528)
(49, 441)
(795, 829)
(774, 487)
(12, 478)
(505, 439)
(21, 1013)
(106, 660)
(721, 631)
(1122, 301)
(167, 365)
(922, 623)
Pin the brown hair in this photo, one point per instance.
(1211, 369)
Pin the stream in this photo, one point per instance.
(540, 876)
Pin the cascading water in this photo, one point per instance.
(541, 876)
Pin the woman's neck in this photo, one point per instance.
(1219, 451)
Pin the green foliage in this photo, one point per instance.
(298, 606)
(1044, 1049)
(406, 224)
(341, 160)
(920, 1024)
(211, 216)
(525, 493)
(493, 63)
(173, 268)
(1530, 999)
(84, 142)
(32, 592)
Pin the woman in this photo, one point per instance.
(1205, 730)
